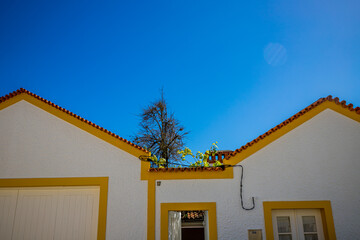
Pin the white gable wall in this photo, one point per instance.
(319, 160)
(36, 144)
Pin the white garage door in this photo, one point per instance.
(49, 213)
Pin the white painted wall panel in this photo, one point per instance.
(37, 144)
(35, 214)
(8, 199)
(77, 214)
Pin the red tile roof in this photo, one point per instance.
(329, 98)
(220, 155)
(24, 91)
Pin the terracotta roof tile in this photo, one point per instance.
(297, 115)
(219, 156)
(193, 215)
(24, 91)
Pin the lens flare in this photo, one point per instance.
(275, 54)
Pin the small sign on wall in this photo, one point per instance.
(255, 234)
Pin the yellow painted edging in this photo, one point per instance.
(146, 175)
(102, 182)
(151, 210)
(74, 121)
(324, 206)
(151, 177)
(206, 206)
(287, 128)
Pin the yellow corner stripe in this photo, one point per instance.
(151, 210)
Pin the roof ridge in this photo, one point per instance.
(22, 90)
(329, 98)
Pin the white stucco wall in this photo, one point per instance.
(36, 144)
(319, 160)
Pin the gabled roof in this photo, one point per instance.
(66, 115)
(294, 121)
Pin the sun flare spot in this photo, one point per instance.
(275, 54)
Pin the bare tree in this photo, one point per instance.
(160, 132)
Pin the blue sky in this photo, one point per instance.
(231, 70)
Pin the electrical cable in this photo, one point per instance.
(241, 188)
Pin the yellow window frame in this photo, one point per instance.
(324, 206)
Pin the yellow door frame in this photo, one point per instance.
(210, 207)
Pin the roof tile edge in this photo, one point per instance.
(329, 98)
(22, 90)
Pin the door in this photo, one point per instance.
(49, 213)
(188, 225)
(297, 224)
(7, 212)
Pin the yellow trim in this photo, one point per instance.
(324, 206)
(102, 182)
(74, 121)
(206, 206)
(287, 128)
(151, 210)
(153, 176)
(146, 175)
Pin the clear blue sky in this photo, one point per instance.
(231, 70)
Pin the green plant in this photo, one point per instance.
(198, 160)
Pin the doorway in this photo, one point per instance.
(188, 225)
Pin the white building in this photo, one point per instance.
(63, 177)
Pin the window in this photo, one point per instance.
(301, 224)
(180, 220)
(299, 220)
